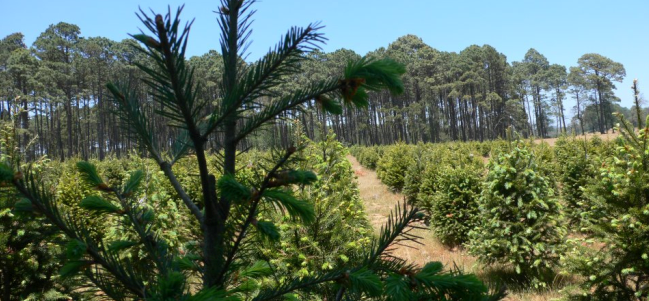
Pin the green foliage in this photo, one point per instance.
(89, 174)
(232, 189)
(29, 253)
(575, 168)
(422, 178)
(150, 248)
(70, 188)
(545, 162)
(454, 206)
(339, 232)
(284, 198)
(367, 156)
(618, 267)
(521, 222)
(392, 166)
(6, 174)
(96, 203)
(423, 156)
(133, 182)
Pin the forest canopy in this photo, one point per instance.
(56, 88)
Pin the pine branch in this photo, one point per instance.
(172, 83)
(359, 76)
(297, 284)
(234, 21)
(252, 213)
(166, 168)
(291, 102)
(395, 231)
(180, 146)
(106, 285)
(628, 133)
(155, 247)
(268, 71)
(131, 114)
(43, 203)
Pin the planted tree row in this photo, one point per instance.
(519, 209)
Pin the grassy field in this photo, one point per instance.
(379, 201)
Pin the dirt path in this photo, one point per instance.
(379, 201)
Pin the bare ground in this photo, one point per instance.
(379, 201)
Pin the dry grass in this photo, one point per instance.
(606, 137)
(379, 201)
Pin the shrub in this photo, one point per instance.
(340, 230)
(356, 151)
(453, 206)
(575, 168)
(392, 166)
(437, 158)
(30, 258)
(412, 181)
(70, 188)
(370, 157)
(367, 156)
(520, 218)
(422, 155)
(546, 163)
(619, 268)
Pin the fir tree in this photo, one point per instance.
(618, 199)
(520, 220)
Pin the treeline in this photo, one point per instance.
(54, 91)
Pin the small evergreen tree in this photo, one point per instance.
(29, 255)
(340, 231)
(618, 268)
(422, 156)
(521, 222)
(454, 206)
(392, 166)
(575, 171)
(226, 214)
(367, 156)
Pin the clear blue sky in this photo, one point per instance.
(560, 30)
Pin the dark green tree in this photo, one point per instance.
(580, 93)
(520, 221)
(454, 206)
(8, 45)
(536, 65)
(599, 73)
(18, 83)
(557, 78)
(95, 58)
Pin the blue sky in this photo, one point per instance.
(560, 30)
